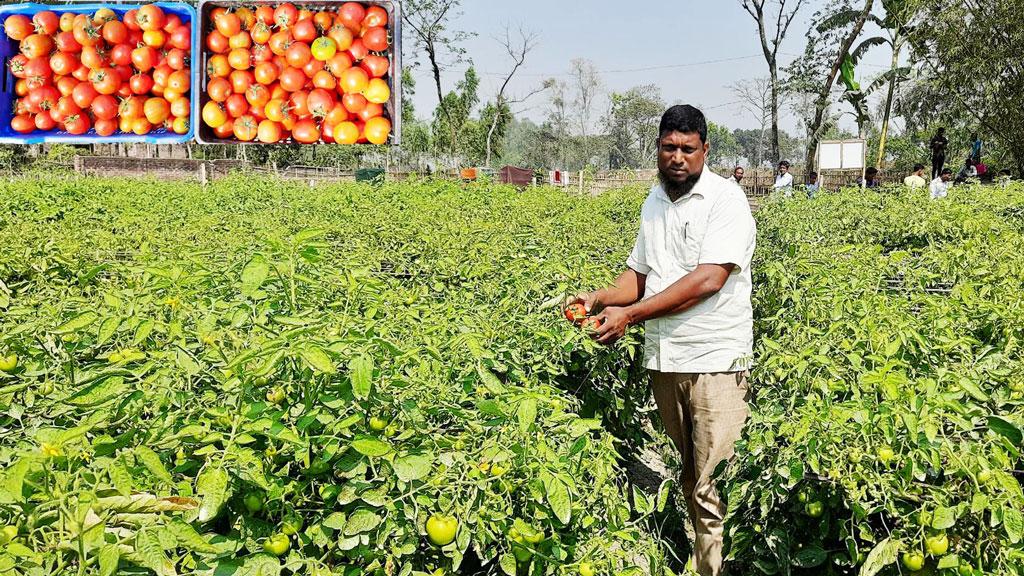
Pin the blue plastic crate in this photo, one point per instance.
(9, 48)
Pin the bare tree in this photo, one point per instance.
(517, 50)
(755, 98)
(430, 21)
(771, 41)
(587, 84)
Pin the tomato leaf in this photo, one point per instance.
(318, 359)
(557, 494)
(413, 466)
(1013, 523)
(77, 323)
(371, 447)
(1007, 429)
(361, 372)
(152, 463)
(254, 274)
(259, 565)
(882, 555)
(943, 518)
(187, 537)
(212, 485)
(361, 521)
(109, 558)
(99, 392)
(490, 381)
(508, 563)
(948, 561)
(151, 553)
(810, 556)
(527, 414)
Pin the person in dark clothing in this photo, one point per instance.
(938, 145)
(976, 145)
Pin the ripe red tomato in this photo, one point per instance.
(177, 59)
(180, 81)
(377, 130)
(144, 58)
(121, 55)
(239, 59)
(130, 20)
(141, 83)
(105, 127)
(247, 17)
(257, 95)
(225, 130)
(351, 15)
(17, 65)
(105, 80)
(44, 121)
(171, 23)
(104, 107)
(18, 27)
(86, 33)
(286, 15)
(21, 87)
(65, 42)
(376, 39)
(266, 73)
(268, 132)
(339, 63)
(298, 102)
(161, 74)
(65, 107)
(358, 51)
(298, 54)
(217, 42)
(342, 37)
(218, 66)
(228, 23)
(292, 79)
(304, 31)
(141, 126)
(372, 110)
(156, 110)
(236, 105)
(82, 73)
(84, 94)
(324, 79)
(376, 17)
(67, 84)
(354, 103)
(37, 46)
(354, 81)
(245, 128)
(346, 133)
(38, 71)
(280, 42)
(181, 38)
(306, 131)
(240, 40)
(115, 32)
(219, 89)
(241, 80)
(376, 66)
(151, 17)
(337, 115)
(95, 58)
(261, 53)
(46, 22)
(320, 103)
(23, 123)
(46, 97)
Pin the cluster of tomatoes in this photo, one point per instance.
(577, 314)
(77, 72)
(280, 72)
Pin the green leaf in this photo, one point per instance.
(152, 463)
(258, 565)
(1013, 522)
(948, 561)
(107, 329)
(149, 551)
(810, 556)
(371, 447)
(943, 518)
(188, 538)
(77, 323)
(318, 359)
(14, 479)
(212, 486)
(413, 466)
(527, 414)
(972, 389)
(490, 381)
(361, 521)
(508, 564)
(1007, 429)
(336, 521)
(361, 372)
(882, 555)
(254, 275)
(109, 558)
(99, 392)
(664, 492)
(558, 498)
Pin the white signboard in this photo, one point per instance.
(841, 155)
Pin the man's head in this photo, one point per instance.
(918, 169)
(942, 131)
(812, 178)
(946, 175)
(783, 167)
(871, 173)
(682, 149)
(737, 173)
(974, 136)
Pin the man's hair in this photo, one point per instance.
(813, 174)
(945, 171)
(738, 168)
(686, 119)
(918, 167)
(974, 136)
(872, 171)
(784, 163)
(942, 129)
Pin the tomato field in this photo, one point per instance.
(259, 377)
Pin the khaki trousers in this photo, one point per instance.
(704, 414)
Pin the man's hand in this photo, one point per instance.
(614, 322)
(588, 299)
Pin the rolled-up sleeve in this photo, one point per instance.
(730, 235)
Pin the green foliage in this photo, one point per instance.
(182, 348)
(632, 125)
(890, 358)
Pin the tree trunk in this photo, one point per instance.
(775, 112)
(821, 104)
(490, 133)
(897, 46)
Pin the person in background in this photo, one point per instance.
(968, 171)
(976, 145)
(916, 180)
(871, 178)
(1005, 178)
(688, 280)
(938, 146)
(737, 174)
(812, 185)
(784, 180)
(940, 186)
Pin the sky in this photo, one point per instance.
(694, 50)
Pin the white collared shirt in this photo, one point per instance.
(938, 188)
(914, 181)
(784, 182)
(710, 225)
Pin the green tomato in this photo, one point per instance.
(814, 509)
(497, 470)
(937, 544)
(885, 454)
(253, 502)
(535, 538)
(586, 569)
(913, 561)
(441, 529)
(277, 545)
(275, 396)
(8, 363)
(984, 476)
(377, 424)
(46, 388)
(9, 532)
(964, 570)
(803, 496)
(291, 524)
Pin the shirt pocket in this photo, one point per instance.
(688, 243)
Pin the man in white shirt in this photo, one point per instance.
(916, 180)
(940, 186)
(737, 174)
(688, 280)
(784, 180)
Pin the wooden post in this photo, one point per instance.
(202, 173)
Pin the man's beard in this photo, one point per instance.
(676, 189)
